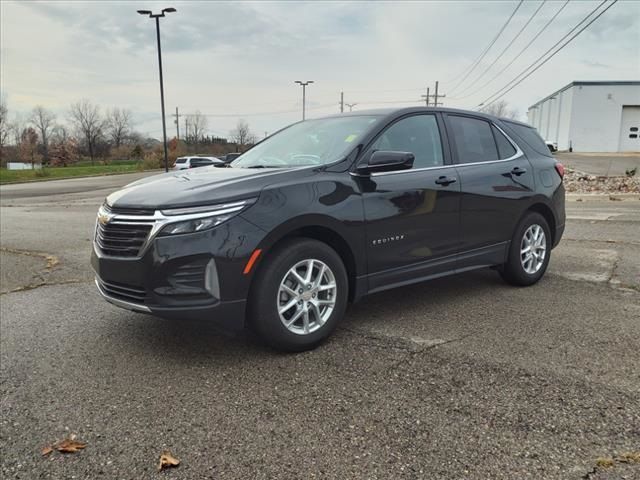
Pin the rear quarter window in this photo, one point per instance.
(181, 160)
(531, 137)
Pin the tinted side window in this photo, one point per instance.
(531, 136)
(474, 140)
(505, 149)
(419, 135)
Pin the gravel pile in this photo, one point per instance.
(581, 182)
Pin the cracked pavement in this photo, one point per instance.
(463, 377)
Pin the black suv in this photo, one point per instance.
(327, 211)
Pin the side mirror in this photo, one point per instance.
(385, 161)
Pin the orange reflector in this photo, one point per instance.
(252, 259)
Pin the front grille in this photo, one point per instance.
(122, 239)
(128, 211)
(120, 291)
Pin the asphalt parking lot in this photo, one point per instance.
(463, 377)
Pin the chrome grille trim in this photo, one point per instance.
(119, 302)
(153, 223)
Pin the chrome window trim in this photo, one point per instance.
(519, 153)
(137, 307)
(160, 219)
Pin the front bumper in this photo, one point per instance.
(196, 275)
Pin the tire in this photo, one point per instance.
(521, 268)
(315, 312)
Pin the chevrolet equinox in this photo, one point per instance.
(328, 210)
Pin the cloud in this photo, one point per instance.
(226, 58)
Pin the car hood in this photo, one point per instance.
(199, 186)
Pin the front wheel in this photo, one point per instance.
(299, 295)
(529, 251)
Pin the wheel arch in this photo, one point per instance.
(324, 230)
(546, 211)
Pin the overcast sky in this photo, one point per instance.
(232, 60)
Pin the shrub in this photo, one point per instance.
(152, 161)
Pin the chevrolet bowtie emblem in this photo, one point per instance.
(104, 218)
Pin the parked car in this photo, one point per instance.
(183, 163)
(329, 210)
(552, 146)
(229, 157)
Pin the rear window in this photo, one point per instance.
(181, 160)
(474, 140)
(531, 137)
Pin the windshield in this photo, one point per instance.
(313, 142)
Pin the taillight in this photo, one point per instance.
(560, 169)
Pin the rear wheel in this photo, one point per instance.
(299, 295)
(529, 251)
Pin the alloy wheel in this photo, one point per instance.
(307, 296)
(533, 249)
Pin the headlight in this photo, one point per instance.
(196, 219)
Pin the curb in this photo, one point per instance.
(602, 196)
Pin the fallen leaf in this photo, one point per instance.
(47, 450)
(604, 462)
(69, 445)
(167, 460)
(629, 457)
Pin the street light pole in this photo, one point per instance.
(304, 94)
(164, 123)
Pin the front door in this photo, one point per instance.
(412, 216)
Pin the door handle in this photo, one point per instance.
(517, 171)
(444, 181)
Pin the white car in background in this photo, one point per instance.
(552, 146)
(183, 163)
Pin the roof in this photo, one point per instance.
(579, 83)
(402, 110)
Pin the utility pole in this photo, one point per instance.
(426, 97)
(177, 122)
(304, 94)
(436, 96)
(351, 105)
(186, 128)
(341, 102)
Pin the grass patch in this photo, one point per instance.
(51, 173)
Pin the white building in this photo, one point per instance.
(591, 117)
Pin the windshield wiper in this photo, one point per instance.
(265, 166)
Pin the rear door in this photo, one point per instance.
(412, 216)
(496, 181)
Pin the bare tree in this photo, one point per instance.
(16, 127)
(87, 119)
(501, 109)
(60, 133)
(242, 134)
(4, 124)
(43, 120)
(28, 146)
(197, 124)
(118, 125)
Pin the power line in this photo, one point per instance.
(546, 25)
(485, 104)
(486, 50)
(533, 15)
